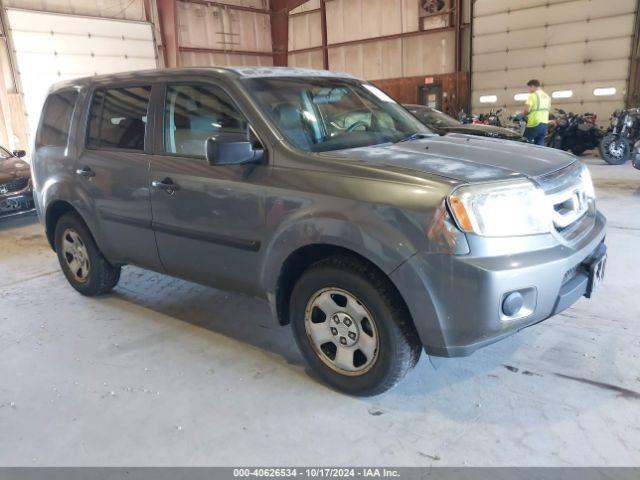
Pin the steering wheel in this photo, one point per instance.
(353, 126)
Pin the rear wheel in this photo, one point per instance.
(614, 150)
(81, 261)
(578, 150)
(352, 328)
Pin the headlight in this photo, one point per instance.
(587, 183)
(501, 209)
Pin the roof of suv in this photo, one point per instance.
(234, 72)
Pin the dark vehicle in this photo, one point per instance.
(570, 131)
(364, 234)
(442, 124)
(16, 196)
(616, 145)
(635, 157)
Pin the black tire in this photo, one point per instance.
(623, 147)
(398, 345)
(101, 276)
(578, 150)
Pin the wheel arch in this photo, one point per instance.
(57, 209)
(301, 259)
(54, 212)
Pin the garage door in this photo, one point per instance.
(578, 49)
(53, 47)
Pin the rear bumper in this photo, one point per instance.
(456, 301)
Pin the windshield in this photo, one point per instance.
(4, 154)
(322, 114)
(434, 118)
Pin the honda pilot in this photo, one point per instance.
(372, 236)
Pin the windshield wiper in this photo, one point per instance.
(413, 136)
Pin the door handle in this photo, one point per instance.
(167, 185)
(86, 172)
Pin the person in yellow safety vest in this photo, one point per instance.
(537, 106)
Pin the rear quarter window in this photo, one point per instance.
(56, 119)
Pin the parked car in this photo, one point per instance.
(374, 239)
(442, 124)
(16, 196)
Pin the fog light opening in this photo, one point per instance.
(512, 304)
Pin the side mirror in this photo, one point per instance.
(228, 149)
(19, 153)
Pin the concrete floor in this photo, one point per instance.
(166, 372)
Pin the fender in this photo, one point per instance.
(382, 245)
(62, 187)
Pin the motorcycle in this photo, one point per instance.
(491, 118)
(570, 131)
(615, 146)
(635, 158)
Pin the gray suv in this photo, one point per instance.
(372, 236)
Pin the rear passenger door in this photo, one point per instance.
(209, 220)
(113, 171)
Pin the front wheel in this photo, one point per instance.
(81, 261)
(614, 149)
(352, 328)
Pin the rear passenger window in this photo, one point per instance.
(118, 118)
(195, 112)
(56, 119)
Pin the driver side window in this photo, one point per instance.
(194, 113)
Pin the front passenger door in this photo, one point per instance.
(208, 220)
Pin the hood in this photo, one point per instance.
(484, 130)
(12, 168)
(461, 157)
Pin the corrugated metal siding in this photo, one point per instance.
(573, 45)
(361, 22)
(221, 28)
(205, 59)
(305, 31)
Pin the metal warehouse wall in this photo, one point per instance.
(354, 28)
(215, 34)
(570, 45)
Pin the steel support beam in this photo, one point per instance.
(280, 29)
(633, 89)
(168, 15)
(323, 26)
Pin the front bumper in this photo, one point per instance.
(456, 301)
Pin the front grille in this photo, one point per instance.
(14, 185)
(572, 209)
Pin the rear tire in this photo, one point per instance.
(578, 150)
(614, 150)
(352, 327)
(81, 261)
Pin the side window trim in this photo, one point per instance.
(161, 147)
(148, 138)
